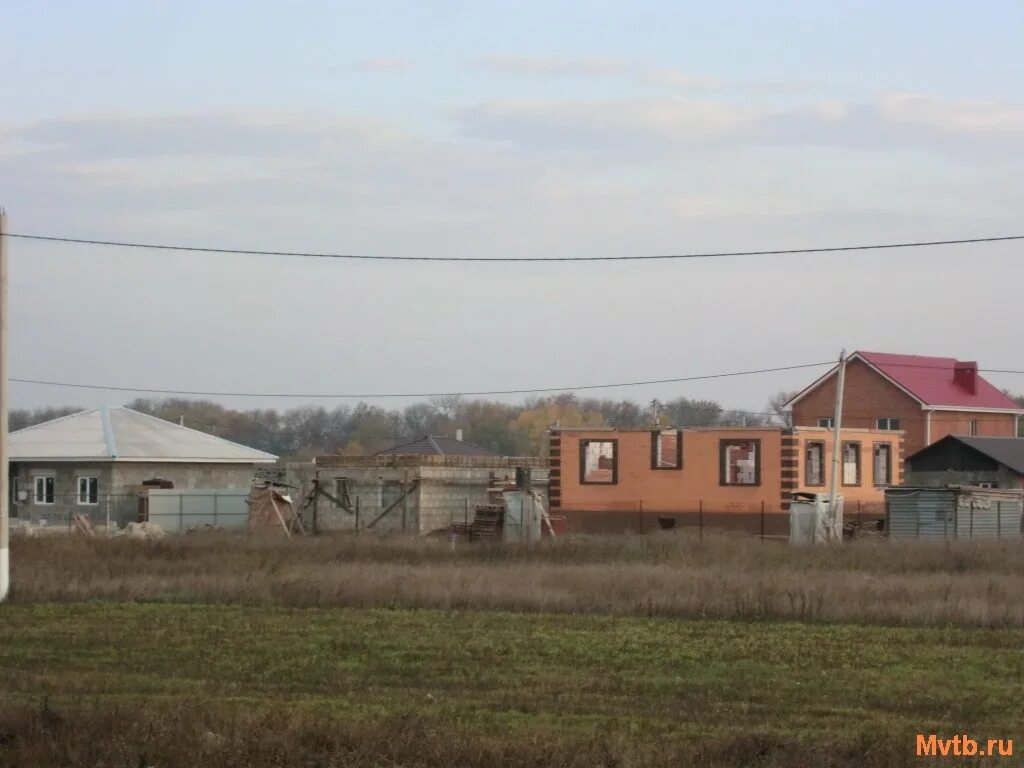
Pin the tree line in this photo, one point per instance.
(511, 429)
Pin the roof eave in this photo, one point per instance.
(137, 460)
(972, 409)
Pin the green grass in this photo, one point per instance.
(509, 676)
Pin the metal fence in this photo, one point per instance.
(172, 510)
(763, 520)
(177, 510)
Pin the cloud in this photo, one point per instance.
(600, 124)
(333, 183)
(540, 66)
(383, 65)
(553, 66)
(960, 117)
(643, 127)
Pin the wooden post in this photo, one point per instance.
(405, 497)
(5, 495)
(357, 514)
(316, 499)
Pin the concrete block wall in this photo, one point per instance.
(118, 500)
(374, 487)
(65, 504)
(444, 495)
(185, 475)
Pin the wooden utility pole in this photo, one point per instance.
(5, 494)
(835, 526)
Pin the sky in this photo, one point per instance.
(499, 129)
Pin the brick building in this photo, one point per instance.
(925, 397)
(608, 480)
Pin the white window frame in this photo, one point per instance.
(886, 423)
(44, 476)
(78, 486)
(827, 422)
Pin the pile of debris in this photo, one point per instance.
(271, 510)
(146, 531)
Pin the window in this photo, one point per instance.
(984, 484)
(667, 449)
(826, 421)
(88, 490)
(740, 462)
(851, 463)
(599, 462)
(882, 469)
(814, 464)
(18, 495)
(974, 427)
(43, 489)
(888, 423)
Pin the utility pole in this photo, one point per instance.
(5, 494)
(835, 527)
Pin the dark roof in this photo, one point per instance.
(438, 445)
(1008, 451)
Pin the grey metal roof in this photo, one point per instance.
(1008, 451)
(121, 434)
(438, 445)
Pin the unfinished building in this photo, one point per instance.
(419, 493)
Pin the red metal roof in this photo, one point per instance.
(931, 380)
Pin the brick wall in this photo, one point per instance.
(868, 397)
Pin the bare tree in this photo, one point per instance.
(775, 405)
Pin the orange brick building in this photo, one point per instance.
(738, 477)
(927, 398)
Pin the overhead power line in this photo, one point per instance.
(640, 257)
(376, 395)
(469, 393)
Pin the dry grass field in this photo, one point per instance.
(216, 650)
(963, 583)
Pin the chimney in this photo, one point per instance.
(965, 376)
(458, 435)
(181, 419)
